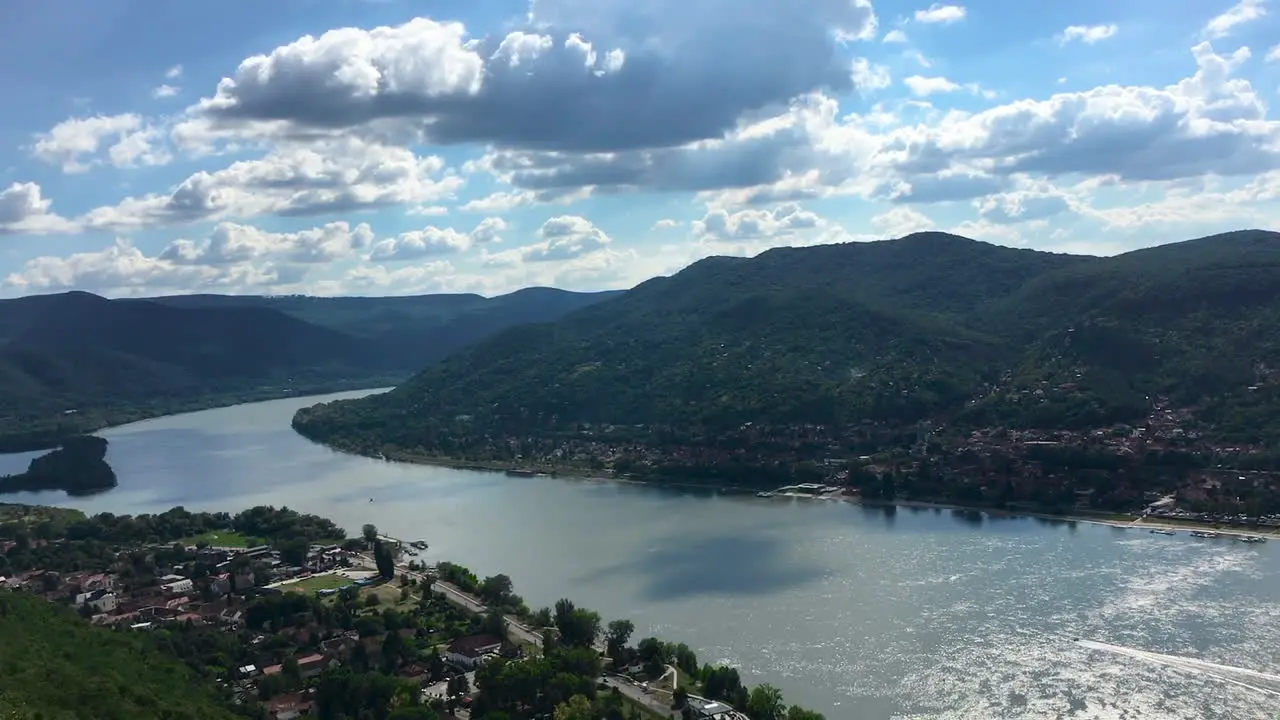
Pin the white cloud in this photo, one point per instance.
(341, 175)
(564, 237)
(900, 221)
(611, 64)
(752, 224)
(24, 210)
(894, 36)
(1023, 206)
(666, 224)
(939, 13)
(127, 138)
(165, 91)
(434, 241)
(231, 243)
(1242, 12)
(173, 73)
(1087, 34)
(124, 269)
(924, 86)
(867, 76)
(1273, 55)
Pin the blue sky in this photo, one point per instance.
(391, 147)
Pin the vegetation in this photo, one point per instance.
(55, 666)
(78, 467)
(74, 363)
(929, 328)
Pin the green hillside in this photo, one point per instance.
(927, 327)
(75, 362)
(55, 666)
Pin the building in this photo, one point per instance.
(471, 651)
(178, 587)
(102, 601)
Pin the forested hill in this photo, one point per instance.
(75, 362)
(927, 327)
(55, 665)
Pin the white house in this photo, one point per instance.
(471, 651)
(178, 587)
(103, 601)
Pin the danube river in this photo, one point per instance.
(857, 612)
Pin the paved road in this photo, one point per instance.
(633, 691)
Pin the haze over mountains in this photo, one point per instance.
(78, 361)
(927, 327)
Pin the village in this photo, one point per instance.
(285, 624)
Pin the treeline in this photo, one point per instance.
(64, 542)
(78, 467)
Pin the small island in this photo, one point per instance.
(79, 467)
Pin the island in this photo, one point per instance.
(271, 613)
(79, 467)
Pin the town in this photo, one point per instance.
(290, 626)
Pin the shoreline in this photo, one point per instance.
(1140, 522)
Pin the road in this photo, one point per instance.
(639, 695)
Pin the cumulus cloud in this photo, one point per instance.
(127, 139)
(1022, 206)
(900, 221)
(1243, 12)
(339, 175)
(1273, 55)
(867, 76)
(164, 91)
(939, 13)
(25, 210)
(894, 36)
(1087, 34)
(921, 86)
(624, 76)
(124, 269)
(434, 241)
(233, 243)
(564, 237)
(666, 224)
(782, 221)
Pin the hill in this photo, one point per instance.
(74, 362)
(56, 666)
(927, 328)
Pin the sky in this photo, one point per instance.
(386, 147)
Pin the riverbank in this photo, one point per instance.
(1115, 520)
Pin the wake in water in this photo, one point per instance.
(1266, 683)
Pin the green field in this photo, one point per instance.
(224, 538)
(332, 581)
(34, 514)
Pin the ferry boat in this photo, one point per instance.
(1204, 534)
(1252, 539)
(518, 472)
(1162, 531)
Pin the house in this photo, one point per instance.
(469, 652)
(312, 665)
(243, 580)
(248, 671)
(220, 585)
(103, 601)
(182, 586)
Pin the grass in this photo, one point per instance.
(224, 538)
(35, 514)
(316, 583)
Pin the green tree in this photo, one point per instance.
(370, 533)
(577, 708)
(385, 562)
(765, 703)
(617, 636)
(653, 654)
(795, 712)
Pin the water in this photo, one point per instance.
(857, 612)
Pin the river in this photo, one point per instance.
(856, 612)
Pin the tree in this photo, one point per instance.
(289, 669)
(577, 708)
(795, 712)
(495, 624)
(617, 636)
(385, 562)
(495, 589)
(578, 627)
(765, 703)
(653, 654)
(370, 533)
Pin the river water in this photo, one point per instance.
(856, 612)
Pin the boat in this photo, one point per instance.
(521, 473)
(1162, 531)
(764, 494)
(1204, 534)
(1252, 539)
(420, 544)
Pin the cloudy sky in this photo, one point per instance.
(399, 146)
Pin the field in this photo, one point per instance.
(34, 514)
(316, 583)
(224, 538)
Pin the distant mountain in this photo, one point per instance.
(927, 327)
(74, 362)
